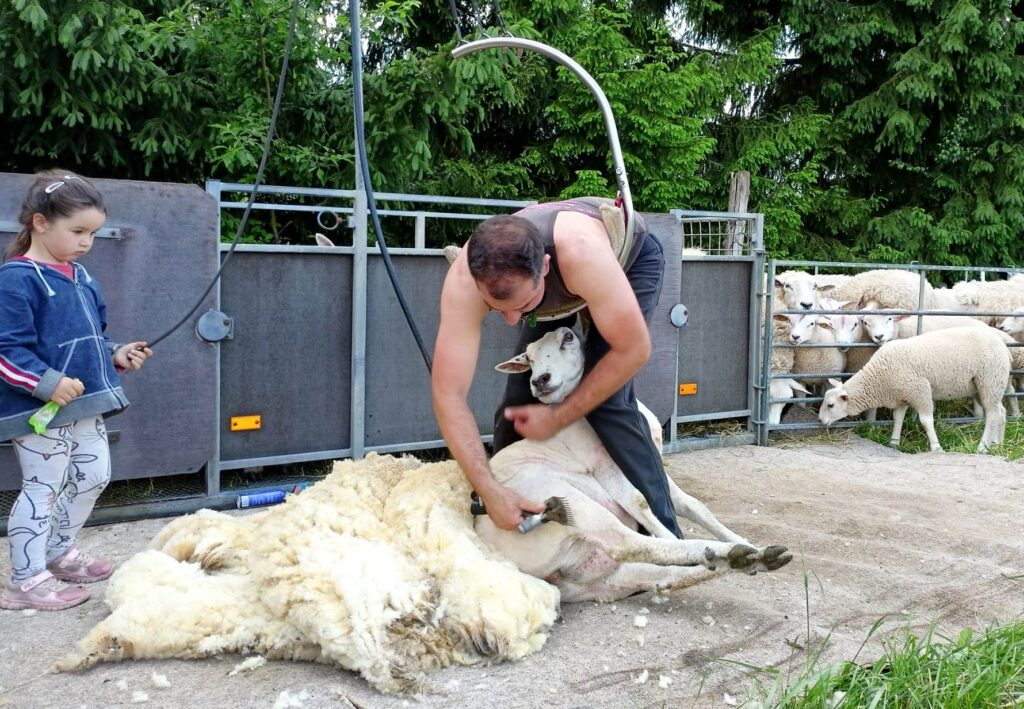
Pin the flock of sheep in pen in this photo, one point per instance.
(912, 360)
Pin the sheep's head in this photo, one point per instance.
(556, 360)
(881, 327)
(799, 289)
(1014, 325)
(836, 403)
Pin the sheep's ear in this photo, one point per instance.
(322, 240)
(799, 387)
(826, 325)
(835, 382)
(516, 365)
(778, 283)
(826, 288)
(862, 303)
(901, 317)
(780, 317)
(844, 305)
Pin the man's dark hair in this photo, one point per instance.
(502, 247)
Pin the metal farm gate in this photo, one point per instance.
(309, 357)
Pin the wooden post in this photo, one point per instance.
(739, 191)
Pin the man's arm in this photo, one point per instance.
(455, 359)
(590, 269)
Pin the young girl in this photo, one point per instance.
(52, 348)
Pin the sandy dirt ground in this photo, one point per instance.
(876, 533)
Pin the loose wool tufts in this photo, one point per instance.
(375, 569)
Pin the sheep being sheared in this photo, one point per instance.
(375, 569)
(603, 556)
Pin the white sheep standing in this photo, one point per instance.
(935, 366)
(819, 330)
(990, 297)
(603, 556)
(889, 288)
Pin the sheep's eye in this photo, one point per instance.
(831, 405)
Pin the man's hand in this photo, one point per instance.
(507, 508)
(535, 421)
(67, 390)
(132, 355)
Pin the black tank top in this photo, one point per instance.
(558, 302)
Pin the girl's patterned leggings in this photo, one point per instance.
(63, 472)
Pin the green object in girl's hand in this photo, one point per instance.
(41, 419)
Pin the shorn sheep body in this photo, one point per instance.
(602, 556)
(946, 364)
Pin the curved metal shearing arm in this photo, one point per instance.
(588, 80)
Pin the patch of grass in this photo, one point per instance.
(955, 438)
(971, 670)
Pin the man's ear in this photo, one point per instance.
(516, 365)
(546, 267)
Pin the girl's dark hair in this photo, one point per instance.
(55, 194)
(502, 247)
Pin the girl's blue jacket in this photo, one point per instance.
(52, 326)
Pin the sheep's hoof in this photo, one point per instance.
(775, 557)
(742, 556)
(894, 444)
(936, 449)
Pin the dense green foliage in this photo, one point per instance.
(886, 131)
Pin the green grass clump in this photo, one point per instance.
(955, 438)
(971, 670)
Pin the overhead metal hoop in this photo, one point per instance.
(595, 89)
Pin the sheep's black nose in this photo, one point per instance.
(542, 380)
(806, 306)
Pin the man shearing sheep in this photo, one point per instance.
(538, 268)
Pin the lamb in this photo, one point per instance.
(948, 364)
(1014, 324)
(819, 329)
(602, 557)
(374, 569)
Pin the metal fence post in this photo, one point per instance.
(213, 188)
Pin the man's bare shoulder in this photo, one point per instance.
(579, 239)
(459, 294)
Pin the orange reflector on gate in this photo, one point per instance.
(246, 423)
(688, 389)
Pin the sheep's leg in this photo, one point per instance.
(871, 415)
(897, 425)
(631, 578)
(624, 545)
(926, 415)
(995, 427)
(631, 500)
(1014, 406)
(689, 507)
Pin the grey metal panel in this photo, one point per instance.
(656, 383)
(289, 359)
(714, 341)
(150, 278)
(398, 403)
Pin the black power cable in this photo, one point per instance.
(259, 174)
(357, 84)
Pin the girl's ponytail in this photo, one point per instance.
(20, 245)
